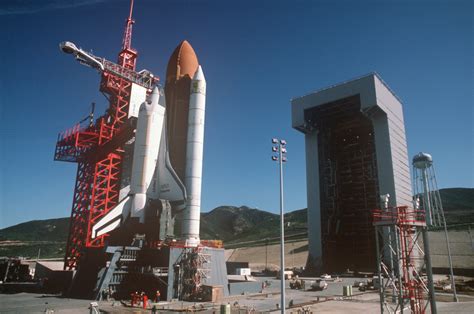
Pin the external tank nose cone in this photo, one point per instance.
(182, 62)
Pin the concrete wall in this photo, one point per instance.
(296, 253)
(313, 199)
(462, 251)
(398, 158)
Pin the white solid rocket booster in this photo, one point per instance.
(194, 157)
(145, 152)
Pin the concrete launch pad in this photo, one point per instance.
(330, 301)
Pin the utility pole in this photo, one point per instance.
(293, 255)
(266, 255)
(281, 158)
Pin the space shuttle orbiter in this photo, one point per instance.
(152, 175)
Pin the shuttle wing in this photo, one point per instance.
(113, 219)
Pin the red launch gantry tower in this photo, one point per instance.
(98, 147)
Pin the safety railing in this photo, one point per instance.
(398, 215)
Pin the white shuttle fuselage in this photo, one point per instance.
(145, 153)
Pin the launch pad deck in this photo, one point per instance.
(330, 300)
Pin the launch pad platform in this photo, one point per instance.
(330, 300)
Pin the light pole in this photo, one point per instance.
(266, 255)
(280, 148)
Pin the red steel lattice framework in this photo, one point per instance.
(401, 258)
(99, 163)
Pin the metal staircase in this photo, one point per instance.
(111, 276)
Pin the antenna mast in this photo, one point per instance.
(127, 35)
(128, 56)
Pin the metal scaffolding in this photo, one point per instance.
(402, 257)
(194, 268)
(348, 184)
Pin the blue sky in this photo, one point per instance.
(256, 56)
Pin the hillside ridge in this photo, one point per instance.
(232, 224)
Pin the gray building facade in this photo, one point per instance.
(355, 151)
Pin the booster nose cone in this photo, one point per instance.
(199, 75)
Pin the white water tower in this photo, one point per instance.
(425, 189)
(426, 196)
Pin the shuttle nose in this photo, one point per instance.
(154, 96)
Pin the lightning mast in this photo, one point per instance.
(98, 148)
(128, 56)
